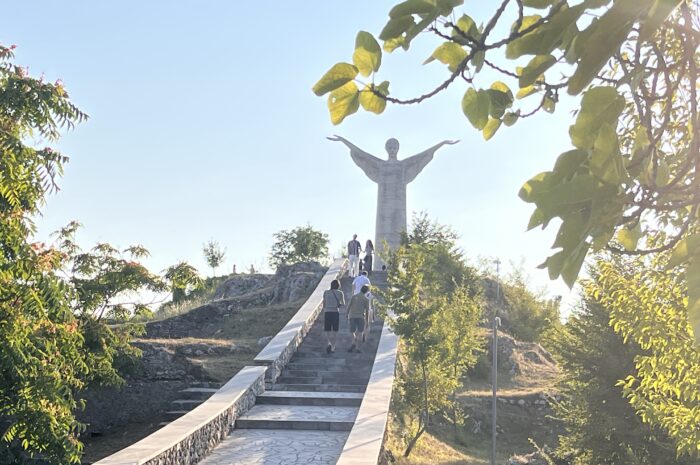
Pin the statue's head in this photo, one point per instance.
(392, 148)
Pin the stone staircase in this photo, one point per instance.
(305, 416)
(194, 395)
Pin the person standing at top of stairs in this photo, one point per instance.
(354, 250)
(333, 299)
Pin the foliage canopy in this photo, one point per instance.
(301, 244)
(632, 170)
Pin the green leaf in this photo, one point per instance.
(534, 69)
(449, 53)
(539, 183)
(537, 218)
(603, 39)
(599, 105)
(629, 237)
(392, 44)
(606, 162)
(525, 92)
(412, 7)
(396, 26)
(548, 104)
(465, 26)
(370, 101)
(343, 102)
(476, 106)
(568, 162)
(511, 118)
(478, 60)
(547, 192)
(368, 55)
(501, 99)
(546, 37)
(686, 248)
(337, 76)
(572, 266)
(413, 31)
(491, 128)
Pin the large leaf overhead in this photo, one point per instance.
(368, 54)
(343, 102)
(337, 76)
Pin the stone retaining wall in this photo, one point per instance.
(366, 440)
(188, 439)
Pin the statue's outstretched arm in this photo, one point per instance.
(369, 163)
(415, 164)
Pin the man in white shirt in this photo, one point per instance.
(361, 280)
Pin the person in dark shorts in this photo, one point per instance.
(333, 299)
(358, 313)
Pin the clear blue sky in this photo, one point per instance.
(203, 125)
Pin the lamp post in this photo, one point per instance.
(494, 364)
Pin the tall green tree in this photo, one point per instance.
(301, 244)
(438, 327)
(647, 305)
(43, 360)
(632, 169)
(602, 428)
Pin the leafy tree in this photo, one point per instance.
(528, 315)
(438, 329)
(444, 266)
(301, 244)
(602, 427)
(214, 255)
(632, 170)
(182, 278)
(43, 359)
(647, 305)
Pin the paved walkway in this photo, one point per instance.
(306, 416)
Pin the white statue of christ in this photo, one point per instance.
(391, 176)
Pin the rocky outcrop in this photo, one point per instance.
(517, 357)
(288, 284)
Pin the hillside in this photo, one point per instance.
(527, 375)
(200, 348)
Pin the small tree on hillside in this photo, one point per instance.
(437, 318)
(214, 255)
(182, 278)
(301, 244)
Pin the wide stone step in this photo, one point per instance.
(299, 379)
(364, 373)
(341, 399)
(302, 365)
(298, 417)
(201, 393)
(320, 387)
